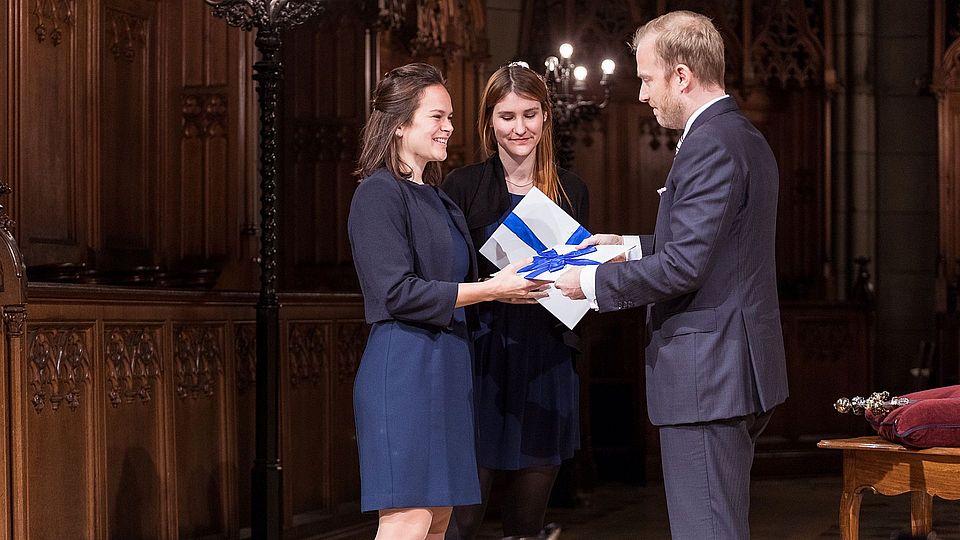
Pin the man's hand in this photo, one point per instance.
(605, 239)
(602, 239)
(569, 282)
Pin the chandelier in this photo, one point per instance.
(567, 83)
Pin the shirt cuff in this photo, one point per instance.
(588, 284)
(636, 252)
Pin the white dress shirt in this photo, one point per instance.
(588, 276)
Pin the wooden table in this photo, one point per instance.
(872, 463)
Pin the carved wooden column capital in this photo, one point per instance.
(14, 319)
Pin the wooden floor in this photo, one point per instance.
(783, 509)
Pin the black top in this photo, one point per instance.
(480, 190)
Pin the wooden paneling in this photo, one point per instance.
(133, 446)
(129, 105)
(61, 430)
(137, 414)
(54, 161)
(131, 137)
(325, 104)
(946, 82)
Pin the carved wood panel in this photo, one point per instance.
(133, 427)
(198, 361)
(129, 111)
(198, 373)
(133, 363)
(209, 186)
(51, 117)
(59, 360)
(60, 429)
(245, 353)
(324, 110)
(827, 357)
(308, 347)
(351, 338)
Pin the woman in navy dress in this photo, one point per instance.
(526, 386)
(413, 396)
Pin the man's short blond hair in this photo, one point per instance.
(685, 37)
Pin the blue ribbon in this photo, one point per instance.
(551, 261)
(548, 260)
(523, 232)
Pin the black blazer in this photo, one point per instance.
(480, 190)
(402, 251)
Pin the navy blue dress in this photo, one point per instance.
(528, 391)
(413, 395)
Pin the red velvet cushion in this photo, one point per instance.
(933, 419)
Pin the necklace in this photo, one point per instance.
(514, 184)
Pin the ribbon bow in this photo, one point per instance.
(548, 260)
(551, 261)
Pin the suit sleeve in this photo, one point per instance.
(379, 231)
(703, 209)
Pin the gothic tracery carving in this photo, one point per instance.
(450, 27)
(14, 318)
(6, 223)
(391, 14)
(351, 337)
(59, 366)
(204, 115)
(245, 347)
(133, 364)
(309, 353)
(52, 17)
(198, 358)
(786, 49)
(126, 34)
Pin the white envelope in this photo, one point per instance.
(552, 229)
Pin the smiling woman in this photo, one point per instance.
(413, 393)
(424, 138)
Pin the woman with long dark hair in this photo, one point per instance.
(527, 389)
(417, 270)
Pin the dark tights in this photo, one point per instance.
(525, 496)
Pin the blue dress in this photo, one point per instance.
(528, 391)
(413, 402)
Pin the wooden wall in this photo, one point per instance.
(127, 137)
(946, 84)
(134, 414)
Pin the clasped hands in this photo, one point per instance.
(568, 283)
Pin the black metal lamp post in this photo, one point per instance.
(269, 17)
(567, 82)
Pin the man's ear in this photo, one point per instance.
(682, 71)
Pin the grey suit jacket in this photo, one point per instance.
(716, 344)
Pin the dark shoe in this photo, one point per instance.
(550, 531)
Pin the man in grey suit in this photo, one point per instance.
(715, 364)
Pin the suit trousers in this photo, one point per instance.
(706, 475)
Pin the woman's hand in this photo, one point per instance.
(507, 286)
